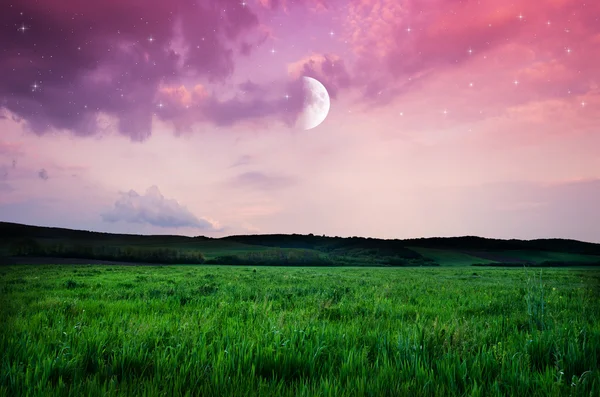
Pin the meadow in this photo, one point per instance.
(298, 331)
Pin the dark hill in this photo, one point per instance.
(18, 239)
(329, 244)
(16, 230)
(487, 244)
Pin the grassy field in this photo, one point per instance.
(450, 258)
(445, 257)
(535, 256)
(239, 331)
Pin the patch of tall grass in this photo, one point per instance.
(309, 331)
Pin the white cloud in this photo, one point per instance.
(154, 209)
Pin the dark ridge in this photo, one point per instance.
(18, 239)
(487, 244)
(454, 243)
(10, 230)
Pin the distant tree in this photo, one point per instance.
(26, 247)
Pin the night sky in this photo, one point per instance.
(447, 117)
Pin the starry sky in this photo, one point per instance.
(447, 117)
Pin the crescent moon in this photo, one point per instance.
(316, 104)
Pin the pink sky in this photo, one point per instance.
(447, 118)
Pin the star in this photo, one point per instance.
(331, 33)
(408, 30)
(243, 3)
(401, 113)
(445, 112)
(22, 28)
(160, 105)
(582, 104)
(548, 23)
(34, 87)
(520, 17)
(470, 51)
(516, 82)
(287, 96)
(568, 50)
(272, 50)
(470, 84)
(151, 39)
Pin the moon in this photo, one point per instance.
(316, 104)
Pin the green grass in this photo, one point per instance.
(233, 331)
(449, 257)
(543, 256)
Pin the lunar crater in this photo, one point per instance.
(316, 104)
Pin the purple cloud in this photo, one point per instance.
(230, 112)
(243, 160)
(329, 69)
(43, 174)
(261, 181)
(184, 106)
(68, 61)
(251, 87)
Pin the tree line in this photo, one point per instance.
(30, 247)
